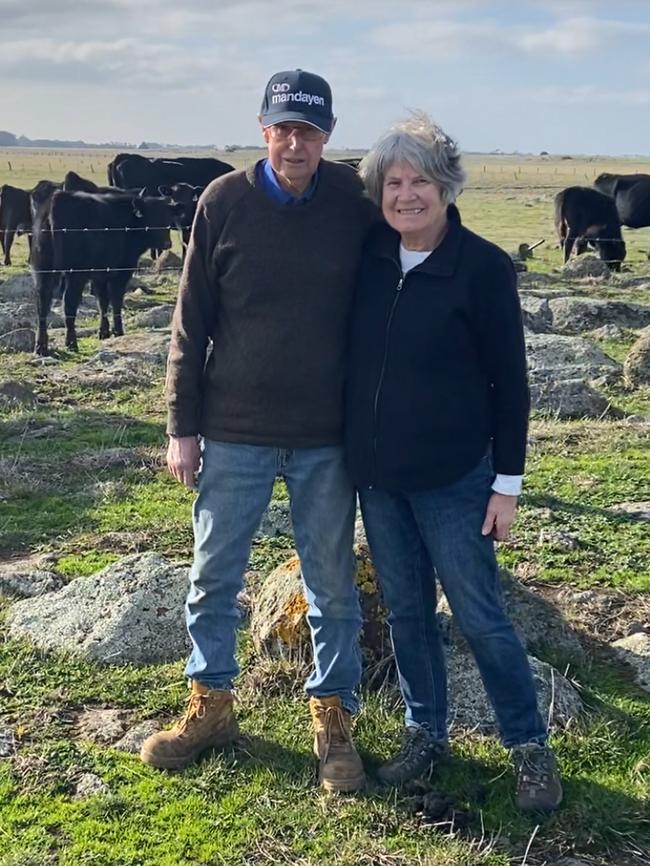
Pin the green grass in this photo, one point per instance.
(83, 478)
(261, 800)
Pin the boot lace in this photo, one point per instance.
(195, 710)
(417, 744)
(337, 730)
(535, 766)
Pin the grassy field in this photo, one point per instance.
(508, 198)
(82, 478)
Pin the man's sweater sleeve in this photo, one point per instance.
(504, 353)
(192, 325)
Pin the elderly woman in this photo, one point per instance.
(436, 439)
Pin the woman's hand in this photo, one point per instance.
(499, 516)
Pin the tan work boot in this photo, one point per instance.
(340, 767)
(208, 722)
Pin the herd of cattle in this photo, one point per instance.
(592, 217)
(82, 233)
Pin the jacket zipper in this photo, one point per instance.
(380, 381)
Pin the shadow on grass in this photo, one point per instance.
(559, 505)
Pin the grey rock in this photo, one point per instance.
(167, 261)
(633, 510)
(562, 371)
(538, 623)
(45, 361)
(572, 315)
(90, 785)
(276, 520)
(573, 398)
(586, 265)
(102, 725)
(608, 332)
(18, 340)
(636, 369)
(559, 538)
(131, 612)
(14, 393)
(135, 737)
(28, 584)
(17, 288)
(156, 317)
(7, 742)
(552, 357)
(558, 701)
(130, 360)
(278, 626)
(635, 650)
(536, 314)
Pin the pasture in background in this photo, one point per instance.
(83, 484)
(508, 198)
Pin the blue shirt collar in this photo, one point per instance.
(268, 181)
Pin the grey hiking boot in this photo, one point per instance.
(539, 788)
(419, 751)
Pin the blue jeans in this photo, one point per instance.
(418, 537)
(234, 487)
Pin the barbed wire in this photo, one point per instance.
(136, 270)
(48, 230)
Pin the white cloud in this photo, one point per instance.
(589, 95)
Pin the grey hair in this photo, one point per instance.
(424, 146)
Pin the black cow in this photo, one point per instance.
(352, 161)
(15, 217)
(120, 228)
(608, 183)
(584, 216)
(188, 196)
(41, 194)
(631, 194)
(129, 170)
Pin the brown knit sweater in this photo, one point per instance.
(271, 286)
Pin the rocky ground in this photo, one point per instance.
(95, 543)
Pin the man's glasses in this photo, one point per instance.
(285, 131)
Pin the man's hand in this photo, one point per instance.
(499, 516)
(183, 458)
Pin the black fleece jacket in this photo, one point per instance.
(437, 365)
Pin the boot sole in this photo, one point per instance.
(346, 786)
(180, 762)
(169, 763)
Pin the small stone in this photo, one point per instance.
(7, 743)
(28, 584)
(102, 726)
(16, 394)
(135, 737)
(559, 539)
(89, 785)
(18, 340)
(276, 520)
(633, 510)
(635, 650)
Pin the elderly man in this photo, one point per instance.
(268, 280)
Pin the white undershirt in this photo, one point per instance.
(509, 485)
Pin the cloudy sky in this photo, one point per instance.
(570, 76)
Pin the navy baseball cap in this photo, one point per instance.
(300, 96)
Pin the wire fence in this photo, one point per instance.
(49, 230)
(137, 270)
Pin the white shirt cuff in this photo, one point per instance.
(509, 485)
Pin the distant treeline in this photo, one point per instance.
(8, 139)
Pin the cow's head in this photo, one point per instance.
(154, 216)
